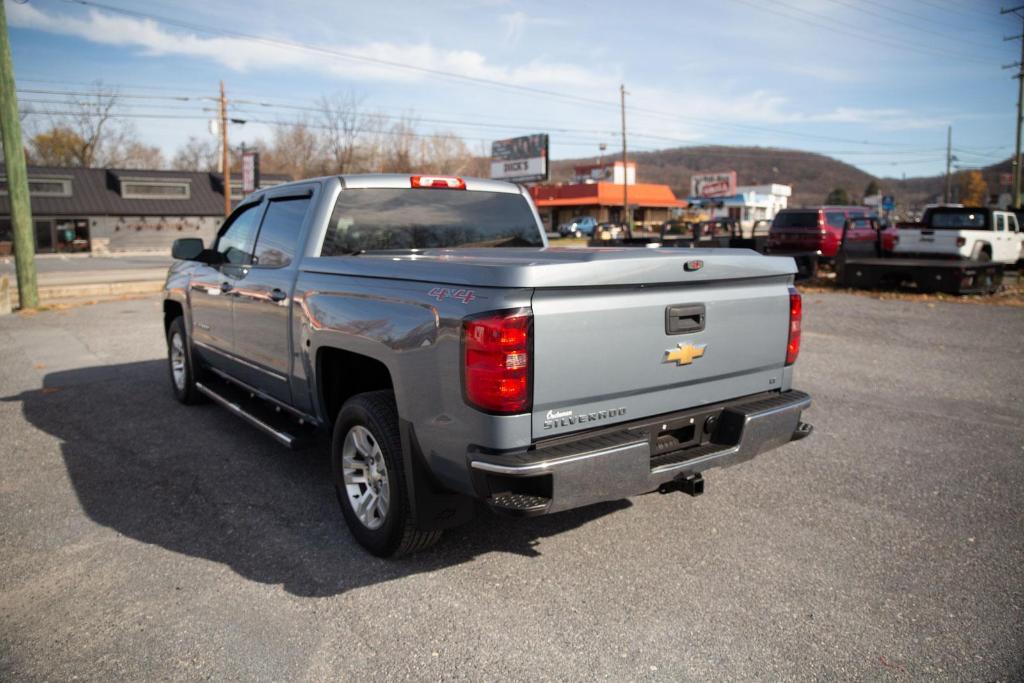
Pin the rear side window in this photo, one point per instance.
(962, 219)
(796, 219)
(1000, 222)
(835, 218)
(235, 243)
(279, 234)
(384, 218)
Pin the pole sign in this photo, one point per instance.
(520, 160)
(250, 172)
(888, 203)
(706, 185)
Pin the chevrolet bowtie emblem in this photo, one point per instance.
(685, 354)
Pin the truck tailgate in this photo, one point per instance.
(927, 241)
(607, 355)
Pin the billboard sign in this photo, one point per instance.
(713, 184)
(250, 172)
(520, 160)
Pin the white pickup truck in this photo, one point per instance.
(963, 232)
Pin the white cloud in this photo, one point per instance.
(517, 22)
(514, 24)
(690, 112)
(243, 54)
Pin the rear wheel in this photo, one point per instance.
(369, 477)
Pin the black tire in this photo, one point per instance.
(375, 412)
(184, 389)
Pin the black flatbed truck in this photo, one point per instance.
(864, 265)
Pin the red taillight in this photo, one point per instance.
(796, 310)
(443, 182)
(961, 241)
(496, 361)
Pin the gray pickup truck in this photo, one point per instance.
(451, 356)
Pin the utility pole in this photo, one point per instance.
(1015, 164)
(225, 151)
(949, 162)
(627, 215)
(17, 176)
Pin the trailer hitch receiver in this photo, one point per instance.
(691, 484)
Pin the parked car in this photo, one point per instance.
(817, 230)
(966, 232)
(421, 323)
(578, 227)
(609, 231)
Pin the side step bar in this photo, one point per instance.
(519, 504)
(284, 438)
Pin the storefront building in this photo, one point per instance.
(650, 204)
(111, 210)
(750, 204)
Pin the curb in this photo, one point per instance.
(50, 293)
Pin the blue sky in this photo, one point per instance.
(871, 82)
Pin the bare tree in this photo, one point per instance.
(91, 134)
(400, 146)
(444, 153)
(372, 148)
(340, 126)
(295, 151)
(136, 155)
(197, 155)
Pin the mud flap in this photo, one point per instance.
(434, 508)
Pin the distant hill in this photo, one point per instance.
(811, 175)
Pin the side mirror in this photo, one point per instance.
(187, 249)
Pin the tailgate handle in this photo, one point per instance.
(684, 318)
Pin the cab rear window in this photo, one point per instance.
(796, 219)
(965, 219)
(385, 218)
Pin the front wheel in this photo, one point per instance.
(179, 363)
(369, 477)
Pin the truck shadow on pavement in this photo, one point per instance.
(199, 481)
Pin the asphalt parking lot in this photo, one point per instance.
(142, 539)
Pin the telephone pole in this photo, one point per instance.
(225, 150)
(627, 215)
(1015, 164)
(17, 176)
(946, 198)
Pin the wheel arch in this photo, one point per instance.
(360, 373)
(172, 309)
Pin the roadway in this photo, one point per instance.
(146, 540)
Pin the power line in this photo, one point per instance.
(344, 55)
(839, 28)
(574, 99)
(921, 17)
(960, 9)
(914, 25)
(704, 123)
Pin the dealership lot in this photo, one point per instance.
(143, 539)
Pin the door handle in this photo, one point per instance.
(278, 295)
(684, 319)
(226, 287)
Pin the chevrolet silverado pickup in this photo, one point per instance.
(451, 358)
